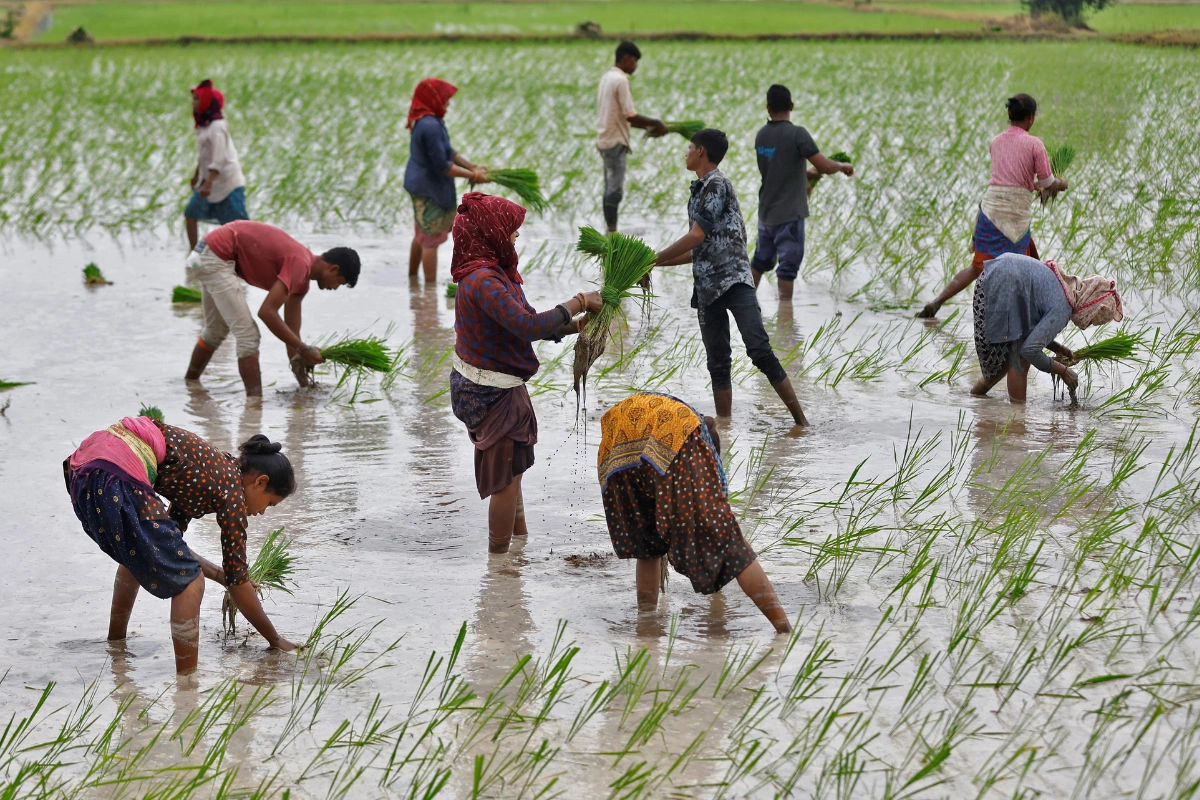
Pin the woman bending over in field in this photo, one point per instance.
(114, 479)
(493, 358)
(665, 497)
(1020, 305)
(429, 176)
(1020, 166)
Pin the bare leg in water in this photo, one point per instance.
(519, 528)
(185, 626)
(757, 586)
(423, 259)
(502, 516)
(648, 580)
(125, 592)
(193, 232)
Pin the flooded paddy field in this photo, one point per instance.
(991, 600)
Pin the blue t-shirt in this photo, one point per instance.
(429, 156)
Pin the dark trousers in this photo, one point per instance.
(742, 302)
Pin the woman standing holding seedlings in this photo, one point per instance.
(1021, 304)
(493, 358)
(429, 176)
(218, 187)
(665, 496)
(113, 478)
(1020, 166)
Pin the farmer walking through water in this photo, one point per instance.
(114, 479)
(783, 151)
(1020, 166)
(218, 187)
(615, 117)
(665, 497)
(429, 175)
(265, 257)
(493, 358)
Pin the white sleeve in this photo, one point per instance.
(625, 99)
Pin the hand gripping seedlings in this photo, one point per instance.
(1061, 158)
(273, 568)
(1121, 347)
(624, 262)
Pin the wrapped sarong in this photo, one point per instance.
(502, 426)
(1002, 225)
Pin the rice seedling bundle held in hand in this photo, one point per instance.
(1061, 158)
(842, 156)
(522, 181)
(185, 294)
(273, 568)
(359, 354)
(1121, 347)
(686, 128)
(592, 242)
(623, 264)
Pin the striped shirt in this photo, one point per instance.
(1019, 159)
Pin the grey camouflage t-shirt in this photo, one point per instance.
(720, 261)
(783, 151)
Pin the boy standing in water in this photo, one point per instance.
(783, 149)
(614, 118)
(715, 246)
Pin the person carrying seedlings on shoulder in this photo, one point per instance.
(266, 257)
(1020, 166)
(783, 150)
(1020, 305)
(218, 186)
(665, 496)
(493, 358)
(115, 478)
(429, 175)
(715, 246)
(615, 117)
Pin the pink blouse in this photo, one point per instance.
(1019, 159)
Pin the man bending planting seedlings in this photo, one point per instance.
(665, 496)
(266, 257)
(115, 478)
(615, 117)
(716, 248)
(1020, 166)
(218, 188)
(782, 151)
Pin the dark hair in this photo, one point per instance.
(260, 454)
(346, 260)
(628, 48)
(714, 142)
(778, 98)
(713, 433)
(1020, 107)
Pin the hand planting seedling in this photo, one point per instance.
(623, 264)
(1121, 347)
(522, 181)
(92, 276)
(686, 128)
(273, 568)
(354, 358)
(154, 412)
(185, 294)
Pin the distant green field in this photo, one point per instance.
(150, 20)
(1146, 18)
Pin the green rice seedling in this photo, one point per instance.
(686, 128)
(6, 385)
(524, 182)
(273, 568)
(842, 156)
(185, 294)
(92, 276)
(1061, 158)
(153, 412)
(1121, 347)
(592, 242)
(626, 261)
(370, 353)
(451, 290)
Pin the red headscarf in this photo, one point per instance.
(211, 103)
(430, 99)
(483, 233)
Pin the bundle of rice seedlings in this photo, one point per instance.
(273, 568)
(452, 290)
(154, 412)
(522, 181)
(185, 294)
(6, 385)
(623, 264)
(1061, 158)
(92, 276)
(1115, 348)
(686, 128)
(370, 353)
(592, 242)
(842, 156)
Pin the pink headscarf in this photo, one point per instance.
(1094, 300)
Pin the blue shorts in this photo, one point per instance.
(133, 530)
(784, 243)
(233, 207)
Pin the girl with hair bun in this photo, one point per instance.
(1020, 166)
(115, 479)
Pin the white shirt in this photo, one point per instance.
(614, 107)
(216, 151)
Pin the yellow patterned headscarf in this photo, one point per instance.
(646, 428)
